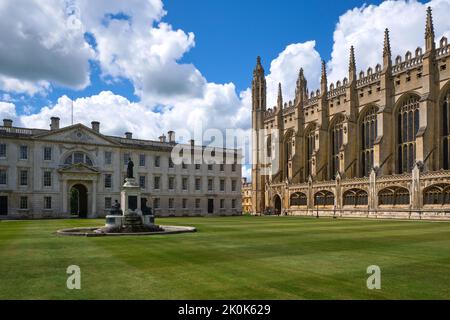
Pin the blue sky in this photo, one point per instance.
(230, 34)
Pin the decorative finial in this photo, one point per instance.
(387, 44)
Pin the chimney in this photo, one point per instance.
(128, 135)
(171, 135)
(95, 126)
(54, 123)
(162, 138)
(7, 123)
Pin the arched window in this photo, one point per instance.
(310, 146)
(298, 199)
(393, 196)
(78, 157)
(355, 197)
(446, 131)
(269, 146)
(337, 138)
(407, 128)
(438, 194)
(324, 198)
(368, 136)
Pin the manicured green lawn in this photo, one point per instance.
(230, 258)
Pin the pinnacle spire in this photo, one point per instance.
(300, 91)
(259, 70)
(280, 96)
(429, 31)
(352, 63)
(323, 79)
(324, 72)
(387, 44)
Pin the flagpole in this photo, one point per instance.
(72, 112)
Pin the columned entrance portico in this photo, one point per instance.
(83, 178)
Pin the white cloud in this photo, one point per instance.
(116, 114)
(285, 69)
(39, 46)
(7, 111)
(364, 29)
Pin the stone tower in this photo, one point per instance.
(259, 96)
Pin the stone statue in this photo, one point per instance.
(115, 209)
(130, 168)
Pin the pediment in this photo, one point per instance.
(77, 134)
(78, 168)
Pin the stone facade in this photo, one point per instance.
(39, 169)
(246, 196)
(374, 144)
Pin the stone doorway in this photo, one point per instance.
(79, 201)
(277, 204)
(3, 205)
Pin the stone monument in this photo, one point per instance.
(134, 218)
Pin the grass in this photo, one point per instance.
(230, 258)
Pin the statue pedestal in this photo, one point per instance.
(130, 197)
(133, 218)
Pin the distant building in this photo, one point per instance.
(246, 196)
(376, 143)
(80, 171)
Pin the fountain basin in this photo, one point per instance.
(96, 231)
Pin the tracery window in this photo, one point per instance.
(407, 128)
(368, 136)
(298, 199)
(438, 194)
(393, 196)
(337, 137)
(446, 131)
(324, 198)
(355, 197)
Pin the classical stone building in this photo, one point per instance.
(375, 143)
(246, 196)
(78, 170)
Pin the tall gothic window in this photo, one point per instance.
(310, 146)
(407, 127)
(269, 146)
(446, 131)
(368, 136)
(336, 143)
